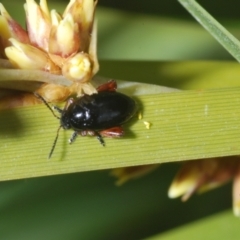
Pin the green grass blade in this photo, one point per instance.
(185, 125)
(230, 43)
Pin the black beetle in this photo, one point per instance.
(100, 114)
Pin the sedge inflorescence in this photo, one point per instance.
(57, 44)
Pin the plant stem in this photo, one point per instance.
(32, 75)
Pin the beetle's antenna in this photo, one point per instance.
(54, 143)
(45, 102)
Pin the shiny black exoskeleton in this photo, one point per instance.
(99, 114)
(98, 111)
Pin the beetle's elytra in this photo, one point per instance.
(100, 114)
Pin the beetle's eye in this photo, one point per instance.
(65, 122)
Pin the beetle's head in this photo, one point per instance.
(65, 120)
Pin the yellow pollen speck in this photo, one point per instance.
(139, 115)
(147, 124)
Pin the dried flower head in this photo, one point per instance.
(203, 175)
(64, 45)
(195, 176)
(128, 173)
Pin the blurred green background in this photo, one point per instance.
(134, 38)
(161, 30)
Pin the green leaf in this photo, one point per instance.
(221, 225)
(184, 126)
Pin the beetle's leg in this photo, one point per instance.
(99, 137)
(93, 133)
(73, 137)
(84, 133)
(69, 102)
(110, 86)
(112, 132)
